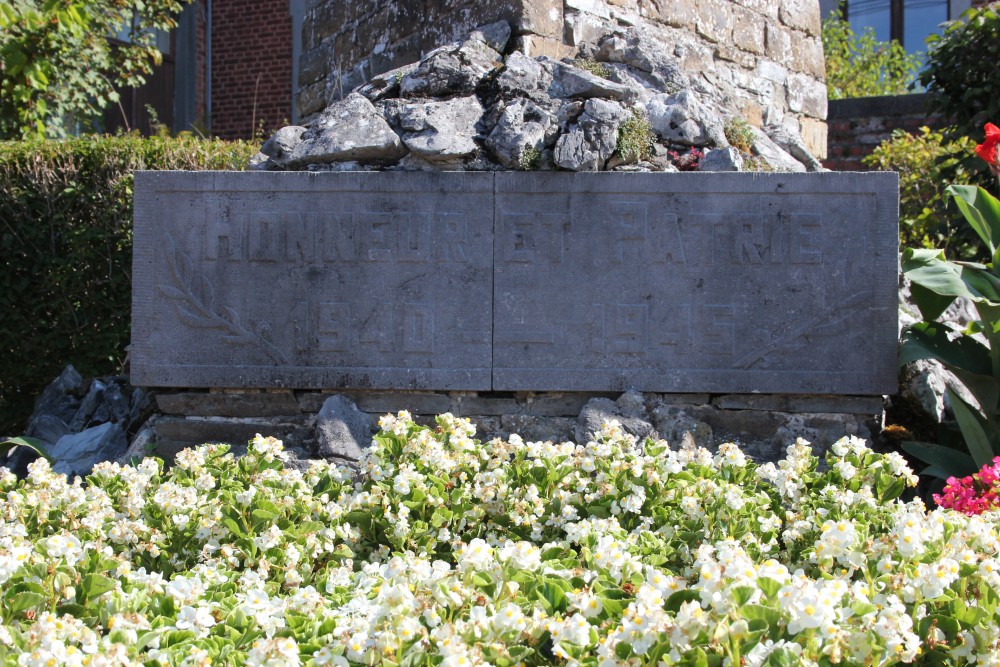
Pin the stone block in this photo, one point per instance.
(558, 405)
(675, 13)
(271, 279)
(814, 136)
(537, 45)
(541, 17)
(781, 282)
(193, 404)
(801, 14)
(748, 30)
(486, 405)
(859, 405)
(382, 402)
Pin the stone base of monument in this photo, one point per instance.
(763, 424)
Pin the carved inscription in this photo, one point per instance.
(511, 281)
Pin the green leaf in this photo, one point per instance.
(931, 340)
(24, 601)
(981, 210)
(949, 461)
(674, 602)
(94, 585)
(34, 444)
(979, 435)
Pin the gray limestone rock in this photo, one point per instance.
(350, 129)
(441, 130)
(684, 119)
(591, 141)
(572, 82)
(76, 454)
(385, 84)
(342, 431)
(792, 143)
(495, 35)
(678, 426)
(642, 50)
(142, 444)
(522, 127)
(772, 154)
(282, 144)
(454, 69)
(49, 428)
(722, 159)
(524, 76)
(629, 410)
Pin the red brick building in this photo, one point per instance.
(228, 70)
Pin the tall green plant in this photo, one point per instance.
(936, 283)
(861, 65)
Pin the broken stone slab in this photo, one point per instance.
(524, 76)
(350, 129)
(60, 399)
(591, 141)
(342, 430)
(453, 69)
(441, 130)
(78, 453)
(722, 159)
(572, 82)
(684, 119)
(523, 127)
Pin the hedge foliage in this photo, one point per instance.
(66, 253)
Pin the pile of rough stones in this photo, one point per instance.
(624, 105)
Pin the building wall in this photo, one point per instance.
(251, 67)
(763, 59)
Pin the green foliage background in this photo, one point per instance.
(862, 66)
(66, 253)
(962, 69)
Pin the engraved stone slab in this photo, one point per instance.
(721, 283)
(353, 280)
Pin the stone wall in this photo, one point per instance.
(763, 424)
(763, 59)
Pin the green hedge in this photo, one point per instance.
(66, 253)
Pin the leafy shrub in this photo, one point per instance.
(927, 162)
(444, 550)
(962, 69)
(65, 253)
(862, 66)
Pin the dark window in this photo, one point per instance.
(907, 21)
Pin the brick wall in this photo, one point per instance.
(251, 66)
(857, 126)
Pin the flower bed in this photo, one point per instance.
(447, 551)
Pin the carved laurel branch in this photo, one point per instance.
(200, 312)
(817, 327)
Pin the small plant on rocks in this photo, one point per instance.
(635, 138)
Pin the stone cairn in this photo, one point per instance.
(624, 105)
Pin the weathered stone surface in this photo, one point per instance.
(61, 398)
(269, 279)
(142, 445)
(282, 144)
(49, 428)
(792, 143)
(342, 431)
(722, 159)
(735, 287)
(682, 118)
(190, 404)
(386, 84)
(644, 50)
(378, 403)
(629, 410)
(441, 130)
(522, 75)
(522, 128)
(772, 154)
(572, 82)
(590, 142)
(77, 453)
(859, 405)
(455, 69)
(350, 129)
(495, 35)
(176, 433)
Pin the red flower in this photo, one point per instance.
(989, 150)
